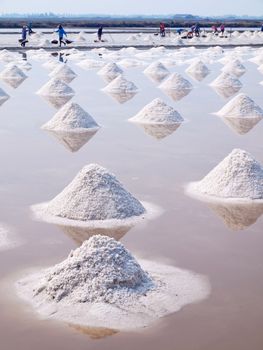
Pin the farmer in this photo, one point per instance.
(162, 29)
(100, 30)
(222, 29)
(262, 27)
(196, 29)
(24, 36)
(61, 32)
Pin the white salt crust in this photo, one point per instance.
(8, 239)
(56, 87)
(101, 284)
(120, 84)
(90, 63)
(238, 178)
(198, 67)
(71, 118)
(241, 106)
(157, 112)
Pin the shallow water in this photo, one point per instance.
(35, 167)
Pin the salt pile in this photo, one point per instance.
(234, 67)
(130, 63)
(119, 85)
(51, 65)
(157, 112)
(156, 71)
(90, 63)
(13, 73)
(71, 118)
(94, 195)
(110, 71)
(56, 87)
(238, 176)
(241, 106)
(64, 73)
(3, 97)
(176, 82)
(226, 80)
(198, 70)
(101, 284)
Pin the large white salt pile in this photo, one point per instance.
(13, 73)
(56, 87)
(238, 176)
(101, 284)
(51, 65)
(234, 67)
(120, 84)
(226, 80)
(3, 97)
(110, 71)
(71, 118)
(94, 194)
(241, 106)
(176, 82)
(130, 63)
(198, 70)
(64, 73)
(156, 71)
(157, 112)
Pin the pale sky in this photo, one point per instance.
(127, 7)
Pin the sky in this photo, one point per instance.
(127, 7)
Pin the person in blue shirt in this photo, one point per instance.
(24, 36)
(262, 27)
(61, 32)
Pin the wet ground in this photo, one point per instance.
(35, 167)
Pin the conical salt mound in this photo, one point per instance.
(56, 87)
(156, 69)
(111, 70)
(226, 80)
(176, 82)
(101, 270)
(157, 112)
(120, 84)
(238, 176)
(71, 118)
(3, 97)
(94, 194)
(234, 67)
(198, 68)
(51, 65)
(13, 72)
(241, 106)
(63, 72)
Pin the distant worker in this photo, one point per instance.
(30, 30)
(162, 30)
(262, 27)
(222, 29)
(24, 36)
(214, 30)
(196, 29)
(61, 33)
(100, 30)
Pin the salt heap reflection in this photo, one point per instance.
(238, 217)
